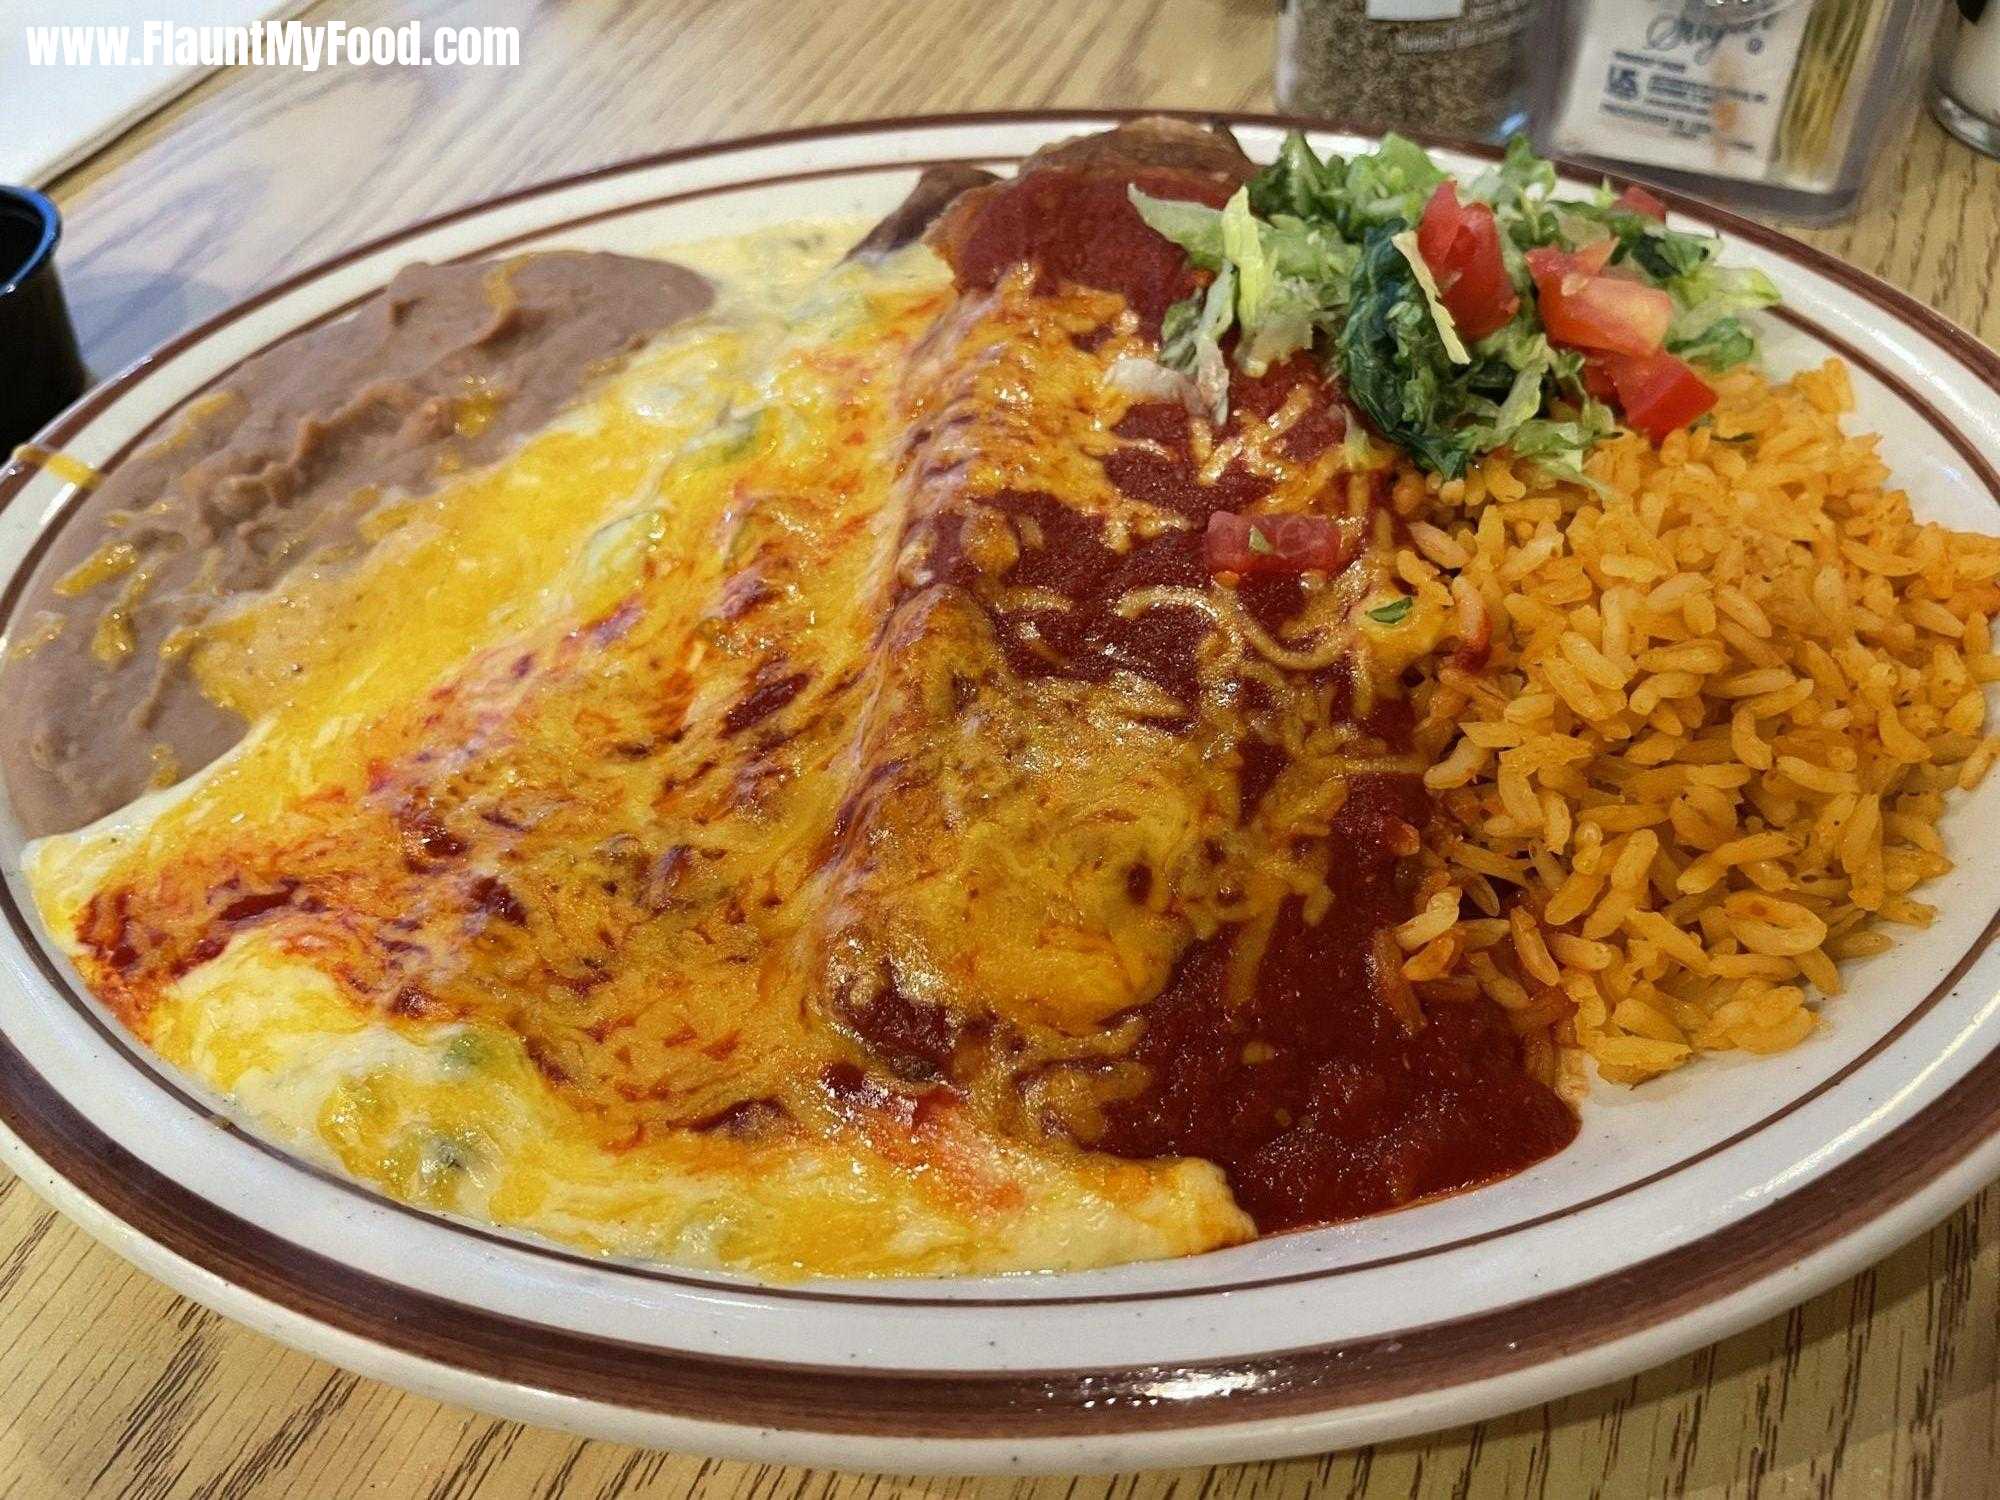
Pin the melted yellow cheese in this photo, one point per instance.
(510, 905)
(69, 469)
(458, 1118)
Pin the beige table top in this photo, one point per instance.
(111, 1385)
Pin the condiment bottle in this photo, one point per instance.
(1965, 87)
(1454, 68)
(1777, 107)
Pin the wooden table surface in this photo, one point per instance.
(111, 1385)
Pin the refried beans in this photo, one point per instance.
(442, 371)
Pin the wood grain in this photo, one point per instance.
(110, 1385)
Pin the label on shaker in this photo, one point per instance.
(1664, 84)
(1415, 10)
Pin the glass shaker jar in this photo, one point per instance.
(1777, 107)
(1965, 88)
(1456, 68)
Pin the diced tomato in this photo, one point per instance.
(1597, 377)
(1659, 393)
(1586, 309)
(1482, 300)
(1640, 201)
(1551, 260)
(1279, 544)
(1608, 313)
(1461, 245)
(1437, 231)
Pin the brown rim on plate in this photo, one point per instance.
(115, 1038)
(148, 1066)
(1018, 1404)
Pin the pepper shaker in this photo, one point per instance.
(1454, 68)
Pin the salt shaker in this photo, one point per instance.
(1965, 86)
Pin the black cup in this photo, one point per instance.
(41, 370)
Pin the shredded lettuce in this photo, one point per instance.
(1397, 367)
(1392, 182)
(1320, 254)
(1707, 297)
(1243, 243)
(1708, 301)
(1195, 227)
(1559, 446)
(1287, 322)
(1191, 341)
(1291, 246)
(1517, 409)
(1518, 190)
(1727, 288)
(1447, 326)
(1276, 313)
(1298, 183)
(1664, 254)
(1289, 278)
(1722, 345)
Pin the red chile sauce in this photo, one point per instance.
(1342, 1111)
(1313, 1096)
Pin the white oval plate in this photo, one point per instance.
(1685, 1211)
